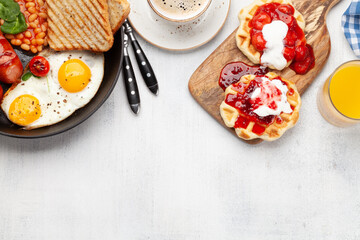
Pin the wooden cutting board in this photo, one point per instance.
(203, 84)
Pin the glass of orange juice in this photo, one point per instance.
(339, 98)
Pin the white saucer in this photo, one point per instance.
(178, 36)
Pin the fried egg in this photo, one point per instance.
(73, 80)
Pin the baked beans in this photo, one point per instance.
(34, 38)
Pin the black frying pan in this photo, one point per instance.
(113, 63)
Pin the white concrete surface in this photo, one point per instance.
(173, 173)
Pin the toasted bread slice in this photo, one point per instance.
(79, 25)
(118, 11)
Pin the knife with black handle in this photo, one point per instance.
(132, 90)
(144, 64)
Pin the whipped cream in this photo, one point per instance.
(266, 89)
(274, 34)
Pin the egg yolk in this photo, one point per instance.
(74, 75)
(24, 110)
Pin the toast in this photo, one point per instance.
(118, 11)
(79, 25)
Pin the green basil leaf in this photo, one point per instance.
(15, 27)
(26, 76)
(9, 10)
(14, 20)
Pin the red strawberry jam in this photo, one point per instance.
(232, 73)
(295, 47)
(246, 105)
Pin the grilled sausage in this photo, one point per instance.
(11, 68)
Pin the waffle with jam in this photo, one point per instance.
(238, 110)
(252, 19)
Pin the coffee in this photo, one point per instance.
(180, 8)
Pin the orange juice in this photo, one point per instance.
(339, 98)
(345, 90)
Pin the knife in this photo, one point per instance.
(144, 64)
(132, 90)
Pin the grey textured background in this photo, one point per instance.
(173, 173)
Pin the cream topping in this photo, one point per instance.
(267, 89)
(274, 34)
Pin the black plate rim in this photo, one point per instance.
(88, 115)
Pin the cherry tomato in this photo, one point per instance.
(260, 20)
(39, 66)
(287, 9)
(258, 41)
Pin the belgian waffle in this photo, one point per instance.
(243, 38)
(273, 131)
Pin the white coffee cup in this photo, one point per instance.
(179, 10)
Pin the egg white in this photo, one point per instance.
(56, 103)
(93, 60)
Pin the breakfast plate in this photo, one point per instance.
(113, 63)
(178, 36)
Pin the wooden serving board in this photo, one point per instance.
(203, 84)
